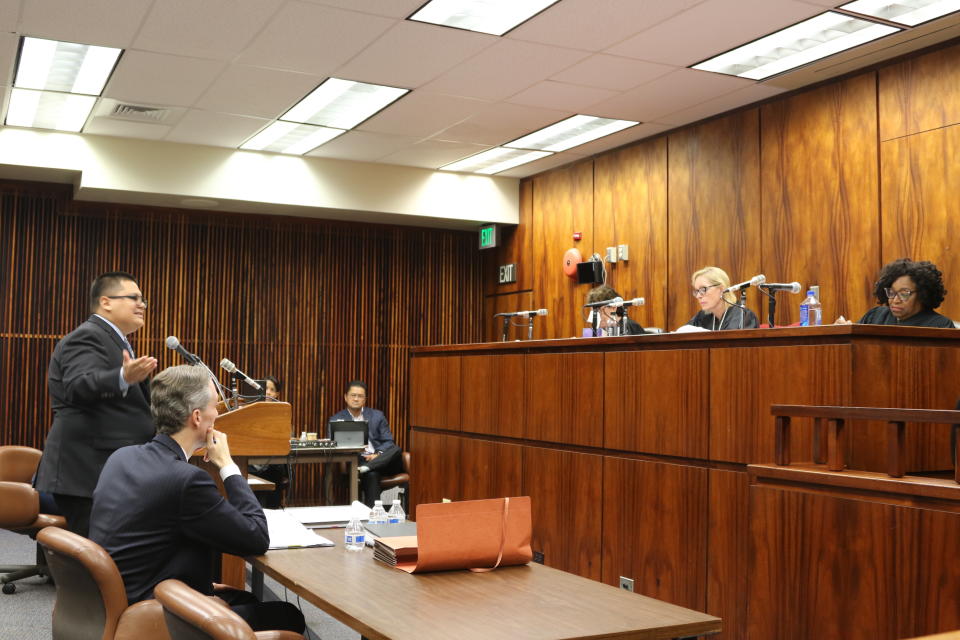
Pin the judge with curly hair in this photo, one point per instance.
(907, 293)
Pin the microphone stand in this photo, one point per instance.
(621, 320)
(506, 328)
(771, 308)
(530, 327)
(743, 305)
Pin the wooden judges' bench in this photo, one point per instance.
(635, 449)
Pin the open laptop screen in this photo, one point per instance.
(348, 433)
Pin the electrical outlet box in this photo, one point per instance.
(611, 254)
(538, 557)
(623, 252)
(626, 583)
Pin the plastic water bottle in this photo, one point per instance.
(811, 314)
(377, 514)
(353, 536)
(396, 514)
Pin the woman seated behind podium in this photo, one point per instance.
(278, 474)
(608, 314)
(907, 293)
(718, 310)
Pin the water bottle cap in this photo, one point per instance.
(378, 503)
(396, 501)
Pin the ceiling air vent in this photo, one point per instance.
(139, 113)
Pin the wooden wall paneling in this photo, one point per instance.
(565, 494)
(728, 556)
(507, 303)
(907, 377)
(564, 398)
(562, 204)
(919, 178)
(655, 529)
(819, 188)
(435, 399)
(657, 402)
(490, 469)
(515, 248)
(821, 567)
(435, 466)
(714, 208)
(745, 382)
(630, 207)
(920, 93)
(492, 390)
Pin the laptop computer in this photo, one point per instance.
(348, 433)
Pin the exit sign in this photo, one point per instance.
(489, 236)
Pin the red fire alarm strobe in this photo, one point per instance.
(578, 235)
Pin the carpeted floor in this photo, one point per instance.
(26, 614)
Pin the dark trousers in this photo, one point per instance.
(263, 616)
(388, 463)
(76, 510)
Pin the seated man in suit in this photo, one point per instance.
(160, 517)
(382, 457)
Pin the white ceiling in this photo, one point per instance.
(227, 67)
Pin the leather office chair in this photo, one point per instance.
(91, 600)
(401, 480)
(20, 508)
(191, 616)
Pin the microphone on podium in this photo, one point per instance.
(232, 368)
(752, 282)
(173, 343)
(792, 287)
(527, 314)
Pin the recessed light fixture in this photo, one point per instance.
(291, 138)
(495, 17)
(569, 133)
(48, 109)
(813, 39)
(64, 66)
(908, 12)
(342, 103)
(495, 160)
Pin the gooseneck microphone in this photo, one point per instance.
(232, 368)
(752, 282)
(527, 314)
(616, 302)
(173, 343)
(792, 287)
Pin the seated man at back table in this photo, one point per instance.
(159, 517)
(382, 456)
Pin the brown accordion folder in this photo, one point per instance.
(474, 534)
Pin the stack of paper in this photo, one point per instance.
(390, 551)
(287, 533)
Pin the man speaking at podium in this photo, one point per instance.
(382, 456)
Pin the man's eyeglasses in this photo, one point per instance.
(702, 291)
(903, 294)
(136, 299)
(359, 396)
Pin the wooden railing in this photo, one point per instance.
(829, 423)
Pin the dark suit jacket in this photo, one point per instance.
(160, 517)
(91, 416)
(378, 430)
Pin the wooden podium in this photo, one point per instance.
(257, 429)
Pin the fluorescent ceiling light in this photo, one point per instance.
(342, 103)
(818, 37)
(290, 138)
(908, 12)
(495, 160)
(569, 133)
(48, 110)
(64, 66)
(486, 16)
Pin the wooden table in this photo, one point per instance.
(319, 455)
(527, 602)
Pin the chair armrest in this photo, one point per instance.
(278, 635)
(19, 504)
(142, 620)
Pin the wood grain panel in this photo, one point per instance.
(728, 558)
(630, 207)
(920, 179)
(515, 247)
(901, 376)
(920, 93)
(435, 392)
(562, 204)
(493, 388)
(565, 494)
(819, 186)
(508, 303)
(490, 469)
(655, 529)
(714, 207)
(745, 382)
(435, 468)
(657, 402)
(564, 401)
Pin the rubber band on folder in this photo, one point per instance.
(503, 539)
